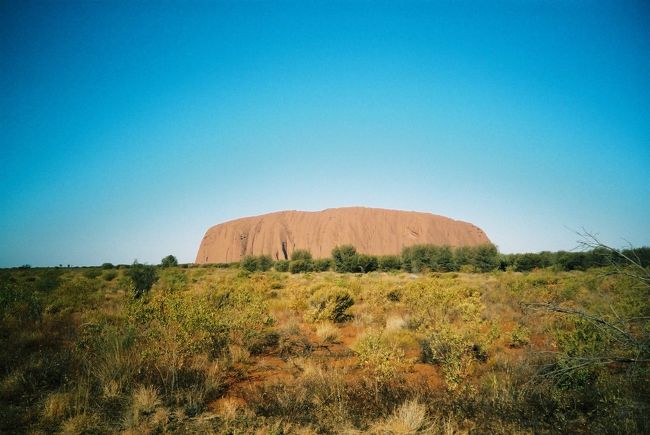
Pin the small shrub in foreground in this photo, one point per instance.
(519, 336)
(143, 277)
(330, 305)
(378, 356)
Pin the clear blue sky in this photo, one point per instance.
(128, 128)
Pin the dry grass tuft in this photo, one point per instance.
(409, 418)
(57, 405)
(81, 423)
(395, 322)
(239, 355)
(144, 402)
(329, 333)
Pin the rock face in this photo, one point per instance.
(370, 230)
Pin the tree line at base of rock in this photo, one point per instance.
(432, 258)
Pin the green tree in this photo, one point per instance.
(169, 261)
(420, 258)
(487, 258)
(446, 261)
(464, 256)
(143, 277)
(345, 258)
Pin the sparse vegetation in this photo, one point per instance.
(222, 350)
(432, 258)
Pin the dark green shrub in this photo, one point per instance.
(223, 265)
(345, 258)
(366, 263)
(249, 263)
(264, 263)
(143, 277)
(301, 254)
(110, 275)
(464, 256)
(281, 266)
(389, 262)
(394, 295)
(49, 280)
(18, 304)
(169, 261)
(107, 266)
(301, 266)
(92, 273)
(322, 264)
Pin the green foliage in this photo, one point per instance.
(261, 263)
(446, 261)
(420, 258)
(345, 258)
(107, 266)
(110, 275)
(249, 263)
(301, 254)
(567, 261)
(172, 321)
(487, 258)
(456, 353)
(49, 280)
(520, 336)
(301, 266)
(322, 264)
(169, 261)
(18, 304)
(281, 266)
(143, 277)
(264, 263)
(379, 357)
(92, 273)
(389, 262)
(432, 258)
(366, 263)
(330, 304)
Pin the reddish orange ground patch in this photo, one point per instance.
(425, 374)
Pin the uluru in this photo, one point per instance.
(372, 231)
